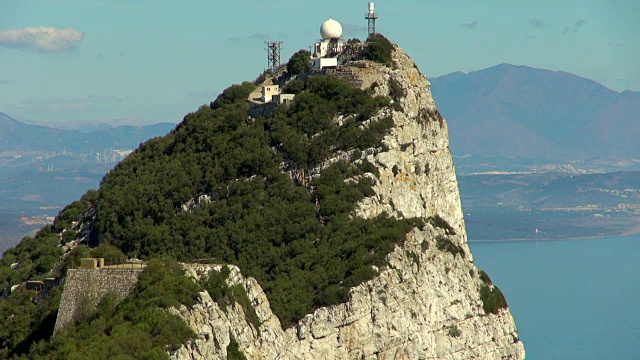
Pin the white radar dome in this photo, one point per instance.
(331, 29)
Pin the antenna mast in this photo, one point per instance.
(371, 17)
(273, 54)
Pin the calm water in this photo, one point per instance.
(575, 299)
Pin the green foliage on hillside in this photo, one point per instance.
(299, 62)
(305, 132)
(23, 322)
(294, 86)
(139, 327)
(492, 298)
(300, 242)
(378, 49)
(35, 257)
(303, 256)
(26, 316)
(484, 277)
(233, 352)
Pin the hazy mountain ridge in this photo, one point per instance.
(43, 168)
(19, 136)
(520, 111)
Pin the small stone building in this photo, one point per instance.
(268, 91)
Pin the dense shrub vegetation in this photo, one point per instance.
(492, 298)
(301, 246)
(233, 352)
(23, 322)
(379, 49)
(294, 86)
(299, 242)
(137, 328)
(299, 62)
(34, 257)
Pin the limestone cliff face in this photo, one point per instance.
(425, 304)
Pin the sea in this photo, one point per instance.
(571, 299)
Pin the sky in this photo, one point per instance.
(71, 62)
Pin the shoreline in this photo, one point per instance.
(634, 230)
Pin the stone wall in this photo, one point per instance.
(84, 288)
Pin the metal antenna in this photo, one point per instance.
(273, 54)
(371, 17)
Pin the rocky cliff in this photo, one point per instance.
(426, 302)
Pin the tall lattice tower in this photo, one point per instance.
(371, 17)
(273, 53)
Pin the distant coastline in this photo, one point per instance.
(634, 230)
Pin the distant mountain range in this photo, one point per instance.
(19, 136)
(519, 111)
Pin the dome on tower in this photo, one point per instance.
(331, 29)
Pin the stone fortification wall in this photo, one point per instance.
(84, 288)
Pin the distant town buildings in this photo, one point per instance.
(112, 156)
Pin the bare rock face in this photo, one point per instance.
(425, 304)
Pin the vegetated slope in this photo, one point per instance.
(520, 111)
(15, 135)
(18, 136)
(292, 200)
(296, 239)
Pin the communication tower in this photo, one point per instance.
(273, 54)
(371, 17)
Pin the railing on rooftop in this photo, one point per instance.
(122, 263)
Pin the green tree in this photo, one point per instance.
(378, 49)
(299, 62)
(294, 86)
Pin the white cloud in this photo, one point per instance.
(43, 39)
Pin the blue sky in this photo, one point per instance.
(126, 61)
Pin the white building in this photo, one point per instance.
(268, 91)
(283, 98)
(331, 44)
(271, 93)
(321, 63)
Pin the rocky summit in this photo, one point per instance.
(426, 303)
(312, 214)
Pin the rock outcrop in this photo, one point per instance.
(425, 304)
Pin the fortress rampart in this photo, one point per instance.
(84, 288)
